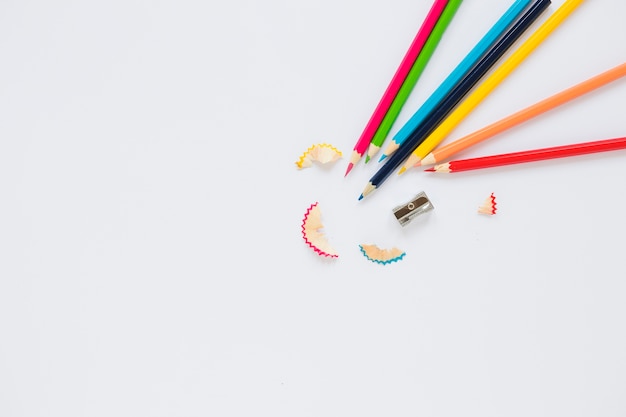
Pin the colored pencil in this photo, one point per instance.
(530, 155)
(396, 82)
(446, 151)
(411, 79)
(485, 63)
(483, 90)
(456, 76)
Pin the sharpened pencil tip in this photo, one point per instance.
(401, 170)
(350, 165)
(361, 197)
(383, 156)
(367, 158)
(368, 189)
(429, 170)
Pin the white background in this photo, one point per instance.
(151, 261)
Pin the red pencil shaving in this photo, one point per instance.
(489, 206)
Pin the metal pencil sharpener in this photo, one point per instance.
(406, 212)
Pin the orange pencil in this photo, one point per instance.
(446, 151)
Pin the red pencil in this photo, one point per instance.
(531, 155)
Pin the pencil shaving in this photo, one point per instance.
(313, 235)
(322, 153)
(381, 256)
(489, 206)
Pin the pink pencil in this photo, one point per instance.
(396, 82)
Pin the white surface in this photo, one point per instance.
(152, 262)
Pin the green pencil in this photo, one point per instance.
(411, 79)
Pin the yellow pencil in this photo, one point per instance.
(483, 90)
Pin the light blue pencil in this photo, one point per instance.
(456, 76)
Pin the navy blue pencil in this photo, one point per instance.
(455, 96)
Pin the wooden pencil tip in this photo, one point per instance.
(401, 170)
(431, 169)
(367, 158)
(368, 189)
(383, 156)
(428, 159)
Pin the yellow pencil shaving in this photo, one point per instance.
(322, 153)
